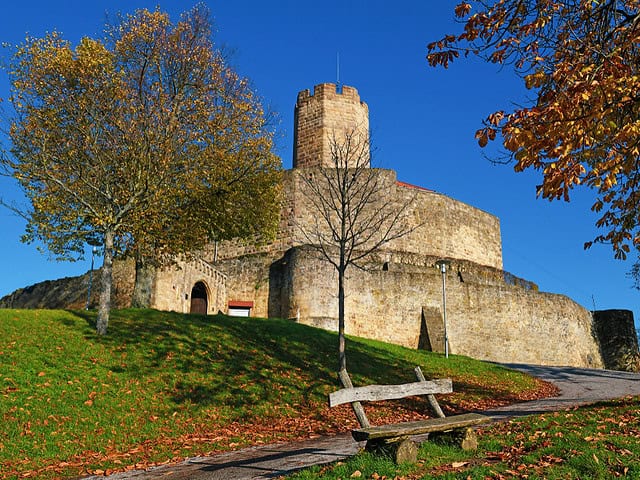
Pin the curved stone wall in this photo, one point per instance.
(448, 228)
(442, 226)
(488, 321)
(618, 339)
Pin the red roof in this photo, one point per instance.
(408, 185)
(240, 304)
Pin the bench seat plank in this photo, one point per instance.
(389, 392)
(419, 427)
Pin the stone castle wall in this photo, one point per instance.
(249, 279)
(71, 292)
(618, 339)
(448, 228)
(441, 226)
(486, 320)
(171, 286)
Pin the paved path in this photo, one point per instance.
(577, 387)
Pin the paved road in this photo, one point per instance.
(577, 387)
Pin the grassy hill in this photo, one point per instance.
(162, 386)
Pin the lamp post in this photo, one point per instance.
(93, 254)
(443, 264)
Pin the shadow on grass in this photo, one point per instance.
(242, 362)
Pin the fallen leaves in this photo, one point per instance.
(92, 396)
(311, 420)
(104, 433)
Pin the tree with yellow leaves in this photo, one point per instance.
(582, 60)
(145, 142)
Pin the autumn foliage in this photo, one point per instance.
(580, 58)
(144, 141)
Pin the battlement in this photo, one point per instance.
(327, 116)
(330, 90)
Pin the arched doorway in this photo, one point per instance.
(199, 302)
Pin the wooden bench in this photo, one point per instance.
(394, 439)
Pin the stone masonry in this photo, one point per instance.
(323, 116)
(487, 318)
(442, 226)
(174, 286)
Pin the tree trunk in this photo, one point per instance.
(143, 288)
(107, 279)
(341, 340)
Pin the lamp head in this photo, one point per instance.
(443, 264)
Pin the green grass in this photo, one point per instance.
(595, 442)
(162, 386)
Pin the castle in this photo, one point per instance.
(490, 314)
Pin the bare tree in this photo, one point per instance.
(355, 215)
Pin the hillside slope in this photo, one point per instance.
(162, 386)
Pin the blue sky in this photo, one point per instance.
(422, 120)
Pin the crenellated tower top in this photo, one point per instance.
(324, 118)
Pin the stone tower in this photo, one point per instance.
(324, 118)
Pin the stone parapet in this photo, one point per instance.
(439, 225)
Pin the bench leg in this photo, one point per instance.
(399, 449)
(407, 451)
(465, 438)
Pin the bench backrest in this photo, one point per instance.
(355, 395)
(389, 392)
